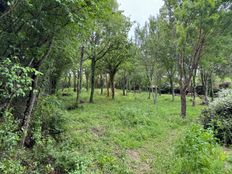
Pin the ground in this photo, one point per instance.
(128, 135)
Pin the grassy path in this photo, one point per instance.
(128, 135)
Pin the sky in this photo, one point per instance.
(140, 10)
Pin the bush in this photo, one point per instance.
(218, 117)
(198, 152)
(9, 152)
(50, 116)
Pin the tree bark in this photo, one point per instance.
(79, 83)
(93, 67)
(107, 86)
(124, 91)
(194, 89)
(212, 91)
(172, 88)
(154, 94)
(206, 100)
(74, 81)
(102, 84)
(183, 103)
(112, 75)
(29, 108)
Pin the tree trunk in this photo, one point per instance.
(172, 88)
(29, 108)
(194, 89)
(32, 96)
(149, 94)
(79, 83)
(101, 84)
(112, 75)
(74, 81)
(183, 102)
(124, 92)
(206, 100)
(107, 86)
(154, 94)
(93, 66)
(212, 91)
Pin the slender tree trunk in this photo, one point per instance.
(93, 66)
(206, 100)
(112, 75)
(87, 80)
(149, 91)
(79, 83)
(194, 89)
(154, 94)
(149, 94)
(124, 92)
(74, 81)
(107, 86)
(102, 84)
(172, 88)
(182, 87)
(212, 91)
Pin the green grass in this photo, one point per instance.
(127, 135)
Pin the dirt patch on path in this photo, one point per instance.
(136, 164)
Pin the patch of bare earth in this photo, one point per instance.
(98, 131)
(136, 164)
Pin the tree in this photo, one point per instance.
(102, 41)
(113, 61)
(147, 40)
(195, 23)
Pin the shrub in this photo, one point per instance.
(198, 152)
(9, 154)
(218, 117)
(50, 116)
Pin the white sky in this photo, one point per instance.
(140, 10)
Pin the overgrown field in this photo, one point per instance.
(127, 135)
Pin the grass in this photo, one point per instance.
(127, 135)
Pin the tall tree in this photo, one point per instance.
(195, 23)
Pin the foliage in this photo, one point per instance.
(218, 116)
(198, 152)
(49, 116)
(15, 79)
(9, 146)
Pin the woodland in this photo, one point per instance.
(80, 95)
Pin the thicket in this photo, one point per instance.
(218, 117)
